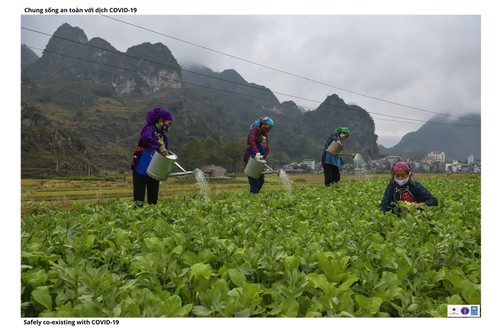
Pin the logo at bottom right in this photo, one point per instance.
(464, 311)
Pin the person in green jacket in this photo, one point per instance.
(332, 163)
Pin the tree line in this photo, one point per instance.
(199, 152)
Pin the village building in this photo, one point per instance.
(214, 171)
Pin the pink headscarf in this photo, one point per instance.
(405, 166)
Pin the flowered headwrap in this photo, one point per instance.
(405, 166)
(157, 113)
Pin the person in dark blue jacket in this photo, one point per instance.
(332, 163)
(403, 187)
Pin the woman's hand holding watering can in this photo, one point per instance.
(163, 150)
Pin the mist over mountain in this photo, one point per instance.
(229, 81)
(457, 138)
(98, 96)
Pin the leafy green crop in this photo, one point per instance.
(314, 252)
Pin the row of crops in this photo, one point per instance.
(311, 252)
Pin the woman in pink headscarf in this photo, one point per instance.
(258, 143)
(403, 187)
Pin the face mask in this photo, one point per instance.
(401, 182)
(265, 129)
(165, 127)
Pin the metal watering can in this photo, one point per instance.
(257, 166)
(335, 149)
(160, 167)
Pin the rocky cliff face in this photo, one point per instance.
(142, 70)
(333, 113)
(231, 81)
(85, 104)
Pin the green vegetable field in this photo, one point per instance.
(311, 252)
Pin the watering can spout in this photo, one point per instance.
(183, 173)
(347, 154)
(271, 171)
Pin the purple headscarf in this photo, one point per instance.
(157, 113)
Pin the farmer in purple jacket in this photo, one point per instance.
(153, 138)
(257, 142)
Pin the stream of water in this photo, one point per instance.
(360, 165)
(201, 179)
(285, 181)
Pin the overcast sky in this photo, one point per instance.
(430, 64)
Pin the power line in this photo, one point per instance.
(428, 122)
(202, 86)
(170, 66)
(136, 71)
(216, 78)
(174, 67)
(284, 71)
